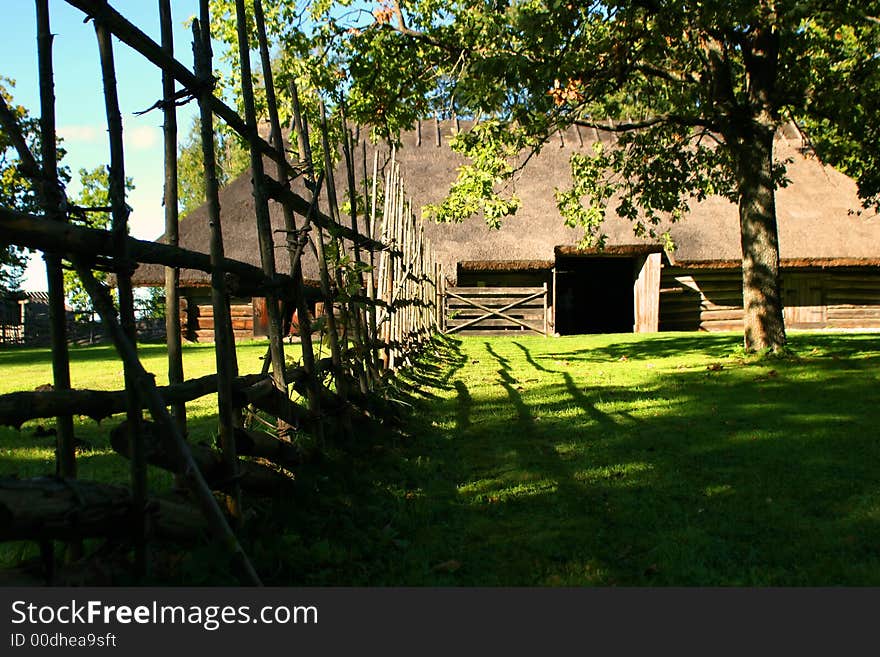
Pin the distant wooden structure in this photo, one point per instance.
(830, 247)
(24, 318)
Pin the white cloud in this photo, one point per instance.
(142, 137)
(81, 133)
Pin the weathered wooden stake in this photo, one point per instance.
(224, 343)
(261, 201)
(374, 276)
(124, 268)
(294, 255)
(356, 317)
(173, 335)
(51, 199)
(340, 374)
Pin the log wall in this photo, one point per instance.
(197, 317)
(711, 300)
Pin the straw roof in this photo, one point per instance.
(821, 222)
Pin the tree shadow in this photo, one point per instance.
(463, 409)
(690, 478)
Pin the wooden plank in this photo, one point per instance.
(853, 314)
(207, 335)
(495, 291)
(705, 304)
(494, 301)
(843, 279)
(853, 323)
(721, 326)
(492, 332)
(713, 274)
(857, 306)
(646, 296)
(852, 296)
(238, 324)
(716, 291)
(495, 323)
(716, 315)
(537, 315)
(806, 325)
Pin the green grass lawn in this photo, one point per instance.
(593, 460)
(97, 368)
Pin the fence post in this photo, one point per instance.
(545, 308)
(224, 341)
(173, 336)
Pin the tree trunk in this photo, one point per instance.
(762, 301)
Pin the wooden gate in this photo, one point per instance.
(495, 310)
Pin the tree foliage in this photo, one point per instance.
(232, 159)
(697, 89)
(94, 193)
(16, 191)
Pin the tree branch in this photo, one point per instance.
(669, 119)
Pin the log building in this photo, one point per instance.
(829, 245)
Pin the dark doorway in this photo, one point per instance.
(594, 295)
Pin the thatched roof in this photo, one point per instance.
(820, 219)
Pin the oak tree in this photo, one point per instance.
(697, 88)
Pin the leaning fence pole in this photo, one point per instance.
(186, 465)
(173, 334)
(393, 270)
(302, 133)
(224, 342)
(261, 201)
(333, 211)
(374, 277)
(329, 300)
(277, 140)
(365, 369)
(124, 267)
(382, 276)
(51, 198)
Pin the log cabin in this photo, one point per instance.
(829, 246)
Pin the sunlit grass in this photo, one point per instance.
(593, 460)
(622, 460)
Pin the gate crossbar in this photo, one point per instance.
(500, 312)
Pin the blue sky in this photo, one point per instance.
(80, 103)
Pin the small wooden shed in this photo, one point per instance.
(24, 318)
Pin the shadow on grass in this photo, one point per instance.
(520, 469)
(659, 346)
(688, 478)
